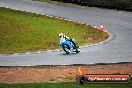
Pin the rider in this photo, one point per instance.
(63, 38)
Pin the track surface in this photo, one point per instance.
(117, 50)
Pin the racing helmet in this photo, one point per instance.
(60, 35)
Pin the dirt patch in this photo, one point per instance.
(57, 73)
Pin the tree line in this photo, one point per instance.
(112, 4)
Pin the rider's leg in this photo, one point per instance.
(73, 43)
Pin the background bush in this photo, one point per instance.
(112, 4)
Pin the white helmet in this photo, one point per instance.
(60, 35)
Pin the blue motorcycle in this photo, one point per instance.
(68, 46)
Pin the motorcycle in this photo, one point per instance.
(68, 46)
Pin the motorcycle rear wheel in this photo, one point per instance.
(77, 49)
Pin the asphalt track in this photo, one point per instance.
(118, 49)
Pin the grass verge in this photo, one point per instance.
(23, 31)
(64, 85)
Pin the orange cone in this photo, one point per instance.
(101, 27)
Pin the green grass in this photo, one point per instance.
(22, 31)
(64, 85)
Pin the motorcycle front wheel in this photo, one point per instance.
(66, 48)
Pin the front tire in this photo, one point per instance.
(66, 48)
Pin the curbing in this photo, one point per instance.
(111, 35)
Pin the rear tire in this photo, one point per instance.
(77, 49)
